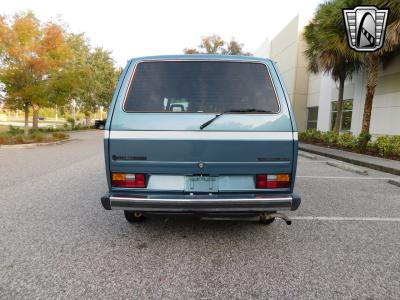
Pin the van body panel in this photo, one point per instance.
(170, 146)
(284, 94)
(107, 126)
(228, 155)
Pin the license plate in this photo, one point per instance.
(201, 184)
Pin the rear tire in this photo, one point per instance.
(134, 216)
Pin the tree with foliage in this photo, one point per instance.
(214, 44)
(41, 65)
(71, 81)
(89, 78)
(31, 52)
(391, 47)
(101, 83)
(327, 49)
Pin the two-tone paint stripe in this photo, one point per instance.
(203, 135)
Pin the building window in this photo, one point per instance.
(347, 111)
(312, 117)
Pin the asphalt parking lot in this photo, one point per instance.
(56, 241)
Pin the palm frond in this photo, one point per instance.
(392, 38)
(327, 48)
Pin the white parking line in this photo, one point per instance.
(346, 177)
(362, 219)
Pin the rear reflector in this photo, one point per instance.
(273, 181)
(128, 180)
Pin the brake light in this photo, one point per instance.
(273, 181)
(128, 180)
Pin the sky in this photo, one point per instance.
(154, 27)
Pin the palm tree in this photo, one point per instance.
(327, 49)
(373, 60)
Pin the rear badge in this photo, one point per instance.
(201, 165)
(127, 158)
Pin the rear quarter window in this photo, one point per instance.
(200, 86)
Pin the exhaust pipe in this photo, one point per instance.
(267, 217)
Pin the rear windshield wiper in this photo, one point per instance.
(237, 111)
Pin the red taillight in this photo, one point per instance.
(273, 181)
(128, 180)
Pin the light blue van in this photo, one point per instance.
(208, 135)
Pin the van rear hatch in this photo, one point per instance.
(156, 127)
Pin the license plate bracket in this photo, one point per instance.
(201, 184)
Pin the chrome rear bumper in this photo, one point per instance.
(201, 203)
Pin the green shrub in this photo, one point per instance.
(310, 136)
(329, 137)
(56, 129)
(71, 121)
(347, 140)
(5, 138)
(34, 131)
(363, 140)
(13, 130)
(19, 139)
(387, 146)
(37, 136)
(384, 146)
(60, 135)
(316, 136)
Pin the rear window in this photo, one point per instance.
(200, 86)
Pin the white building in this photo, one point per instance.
(314, 96)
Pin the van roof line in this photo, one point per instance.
(201, 57)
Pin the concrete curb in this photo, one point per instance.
(347, 167)
(309, 156)
(354, 161)
(393, 182)
(33, 145)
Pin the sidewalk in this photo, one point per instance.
(377, 163)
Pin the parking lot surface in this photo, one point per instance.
(56, 240)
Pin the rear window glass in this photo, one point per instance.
(200, 86)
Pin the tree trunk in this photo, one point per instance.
(26, 125)
(372, 81)
(87, 119)
(338, 120)
(35, 116)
